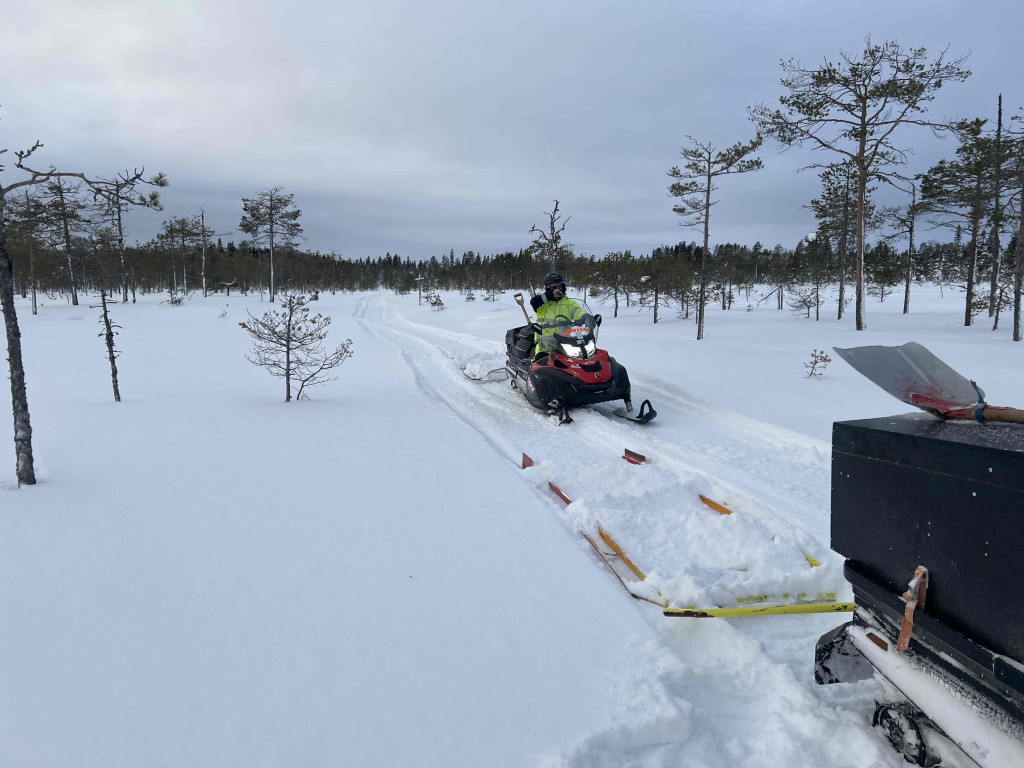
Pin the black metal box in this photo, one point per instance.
(912, 490)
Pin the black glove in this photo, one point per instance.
(536, 302)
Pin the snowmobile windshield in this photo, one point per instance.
(578, 339)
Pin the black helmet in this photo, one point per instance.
(554, 279)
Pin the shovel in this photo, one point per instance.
(914, 375)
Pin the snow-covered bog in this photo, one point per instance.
(206, 575)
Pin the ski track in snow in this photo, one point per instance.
(747, 683)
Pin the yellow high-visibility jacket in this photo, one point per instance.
(555, 317)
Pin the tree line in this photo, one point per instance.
(60, 250)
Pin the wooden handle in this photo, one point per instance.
(519, 300)
(989, 413)
(996, 413)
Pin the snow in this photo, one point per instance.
(205, 575)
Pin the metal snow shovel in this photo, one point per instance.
(914, 375)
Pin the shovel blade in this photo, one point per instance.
(911, 370)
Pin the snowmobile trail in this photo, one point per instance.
(747, 686)
(695, 448)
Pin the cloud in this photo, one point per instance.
(422, 127)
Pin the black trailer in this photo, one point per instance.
(939, 506)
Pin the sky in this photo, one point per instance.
(417, 128)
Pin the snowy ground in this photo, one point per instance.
(208, 576)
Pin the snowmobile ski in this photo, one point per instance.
(645, 415)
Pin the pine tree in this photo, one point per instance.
(959, 193)
(693, 187)
(117, 196)
(289, 345)
(853, 107)
(64, 217)
(835, 211)
(271, 217)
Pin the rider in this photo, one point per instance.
(555, 312)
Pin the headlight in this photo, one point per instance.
(590, 348)
(571, 351)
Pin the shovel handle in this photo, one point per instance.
(957, 411)
(997, 413)
(519, 300)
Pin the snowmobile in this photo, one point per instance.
(574, 374)
(928, 515)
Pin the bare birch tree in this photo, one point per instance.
(205, 236)
(548, 245)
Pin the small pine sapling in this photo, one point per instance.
(804, 300)
(470, 296)
(436, 303)
(289, 344)
(174, 298)
(819, 361)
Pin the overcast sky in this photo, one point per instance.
(418, 127)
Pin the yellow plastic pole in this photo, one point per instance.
(719, 508)
(622, 555)
(821, 597)
(759, 610)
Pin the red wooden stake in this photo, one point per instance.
(633, 457)
(558, 492)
